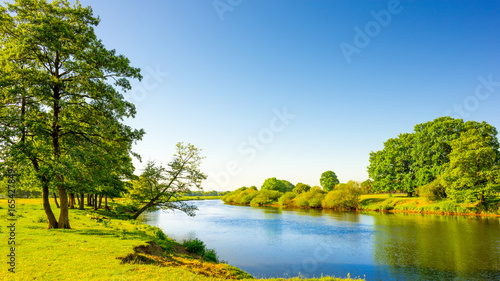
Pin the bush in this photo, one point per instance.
(195, 246)
(211, 255)
(198, 247)
(343, 197)
(287, 198)
(266, 197)
(300, 188)
(311, 198)
(245, 197)
(433, 191)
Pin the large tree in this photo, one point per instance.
(391, 169)
(162, 187)
(60, 91)
(418, 159)
(328, 180)
(473, 170)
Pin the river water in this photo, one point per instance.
(278, 242)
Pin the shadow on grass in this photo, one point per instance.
(113, 232)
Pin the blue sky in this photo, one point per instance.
(266, 90)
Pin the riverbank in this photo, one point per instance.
(102, 247)
(395, 204)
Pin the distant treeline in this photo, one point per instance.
(206, 193)
(344, 196)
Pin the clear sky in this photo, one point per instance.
(290, 88)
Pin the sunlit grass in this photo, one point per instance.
(401, 203)
(90, 249)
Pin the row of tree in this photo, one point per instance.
(342, 197)
(61, 104)
(459, 160)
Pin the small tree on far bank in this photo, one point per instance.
(159, 186)
(328, 180)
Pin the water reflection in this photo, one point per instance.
(274, 242)
(430, 246)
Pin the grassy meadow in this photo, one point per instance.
(91, 249)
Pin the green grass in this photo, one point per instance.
(401, 203)
(90, 249)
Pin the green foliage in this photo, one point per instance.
(328, 180)
(61, 101)
(159, 234)
(473, 168)
(300, 187)
(211, 255)
(198, 247)
(390, 168)
(195, 246)
(419, 158)
(246, 196)
(158, 186)
(310, 199)
(343, 197)
(242, 195)
(278, 185)
(287, 198)
(266, 197)
(367, 187)
(433, 191)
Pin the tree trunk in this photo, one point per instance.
(81, 207)
(138, 213)
(51, 218)
(100, 201)
(89, 200)
(77, 202)
(55, 199)
(64, 215)
(71, 201)
(106, 202)
(52, 221)
(95, 202)
(409, 194)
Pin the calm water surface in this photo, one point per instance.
(276, 242)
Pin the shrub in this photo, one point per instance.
(266, 197)
(433, 191)
(287, 198)
(211, 255)
(343, 197)
(300, 188)
(195, 246)
(245, 197)
(311, 198)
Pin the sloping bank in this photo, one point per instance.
(101, 246)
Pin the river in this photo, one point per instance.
(278, 242)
